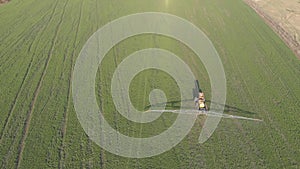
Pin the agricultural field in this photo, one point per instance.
(283, 17)
(41, 40)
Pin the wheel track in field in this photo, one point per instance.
(238, 123)
(276, 75)
(142, 82)
(15, 24)
(18, 94)
(115, 51)
(90, 150)
(283, 61)
(288, 89)
(102, 158)
(65, 117)
(17, 42)
(24, 6)
(189, 149)
(256, 105)
(268, 115)
(274, 124)
(174, 149)
(20, 90)
(8, 154)
(200, 148)
(277, 28)
(23, 81)
(36, 93)
(195, 151)
(138, 165)
(115, 54)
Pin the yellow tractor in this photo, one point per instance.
(200, 99)
(201, 102)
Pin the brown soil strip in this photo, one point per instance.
(285, 36)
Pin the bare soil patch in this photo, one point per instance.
(3, 1)
(283, 17)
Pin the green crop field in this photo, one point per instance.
(39, 44)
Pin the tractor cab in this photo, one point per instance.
(199, 98)
(201, 102)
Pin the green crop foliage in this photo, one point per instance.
(39, 44)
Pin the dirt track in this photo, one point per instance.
(274, 22)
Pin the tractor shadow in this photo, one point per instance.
(176, 105)
(232, 109)
(171, 105)
(195, 92)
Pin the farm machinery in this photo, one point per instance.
(201, 107)
(200, 99)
